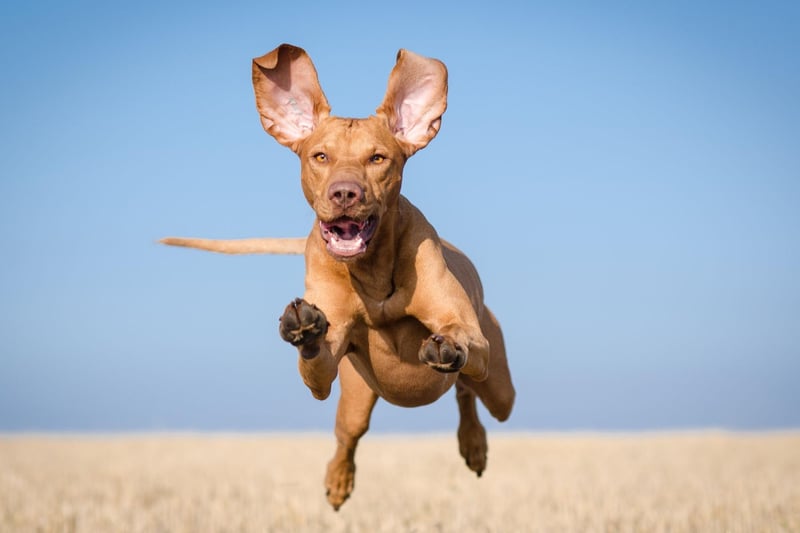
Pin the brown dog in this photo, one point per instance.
(397, 312)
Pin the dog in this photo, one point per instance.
(392, 309)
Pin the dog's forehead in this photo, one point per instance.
(352, 135)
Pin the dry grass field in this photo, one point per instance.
(702, 482)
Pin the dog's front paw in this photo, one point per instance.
(442, 353)
(303, 325)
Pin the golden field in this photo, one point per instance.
(704, 482)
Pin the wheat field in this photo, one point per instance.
(704, 482)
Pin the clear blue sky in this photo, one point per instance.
(626, 177)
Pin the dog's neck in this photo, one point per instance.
(382, 257)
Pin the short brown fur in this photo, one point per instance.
(389, 307)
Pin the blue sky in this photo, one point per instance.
(626, 177)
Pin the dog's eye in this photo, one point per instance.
(377, 158)
(320, 157)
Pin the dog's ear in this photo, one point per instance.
(415, 99)
(288, 96)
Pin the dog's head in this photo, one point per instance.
(351, 169)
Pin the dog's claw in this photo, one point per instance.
(302, 324)
(442, 354)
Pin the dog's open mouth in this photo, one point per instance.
(347, 237)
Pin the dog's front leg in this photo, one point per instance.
(456, 343)
(320, 344)
(438, 300)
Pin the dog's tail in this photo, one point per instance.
(261, 245)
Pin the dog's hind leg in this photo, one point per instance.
(471, 433)
(352, 421)
(496, 391)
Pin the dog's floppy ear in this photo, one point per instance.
(415, 99)
(288, 96)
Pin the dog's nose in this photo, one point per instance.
(345, 193)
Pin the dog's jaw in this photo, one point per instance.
(347, 238)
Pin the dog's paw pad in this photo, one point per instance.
(302, 323)
(442, 353)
